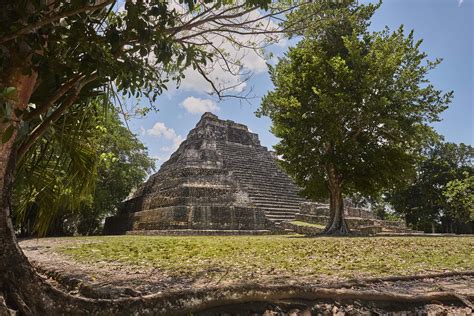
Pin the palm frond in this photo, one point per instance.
(59, 173)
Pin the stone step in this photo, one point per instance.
(253, 160)
(289, 210)
(250, 165)
(268, 206)
(268, 183)
(243, 154)
(290, 198)
(250, 157)
(282, 201)
(254, 166)
(257, 189)
(283, 213)
(258, 196)
(276, 217)
(279, 196)
(391, 234)
(264, 204)
(275, 194)
(263, 178)
(235, 151)
(260, 173)
(277, 205)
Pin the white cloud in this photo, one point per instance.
(460, 2)
(160, 130)
(196, 105)
(241, 50)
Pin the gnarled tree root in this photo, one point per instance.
(188, 301)
(193, 301)
(4, 310)
(355, 282)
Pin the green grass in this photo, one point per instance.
(298, 223)
(251, 257)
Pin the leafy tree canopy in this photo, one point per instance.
(352, 107)
(460, 198)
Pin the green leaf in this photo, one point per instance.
(9, 92)
(7, 134)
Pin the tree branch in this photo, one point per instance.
(41, 128)
(53, 99)
(35, 26)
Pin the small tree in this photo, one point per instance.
(438, 198)
(351, 107)
(424, 203)
(460, 197)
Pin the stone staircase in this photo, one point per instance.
(267, 186)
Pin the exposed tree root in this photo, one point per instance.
(337, 227)
(193, 301)
(365, 281)
(462, 298)
(4, 310)
(188, 301)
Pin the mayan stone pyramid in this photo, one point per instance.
(220, 179)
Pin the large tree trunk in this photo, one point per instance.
(20, 287)
(337, 224)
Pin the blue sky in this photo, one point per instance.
(446, 27)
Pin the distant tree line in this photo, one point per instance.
(441, 196)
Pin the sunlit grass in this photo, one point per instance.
(299, 223)
(246, 257)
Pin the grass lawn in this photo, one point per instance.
(249, 257)
(299, 223)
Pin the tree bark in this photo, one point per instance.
(337, 224)
(20, 286)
